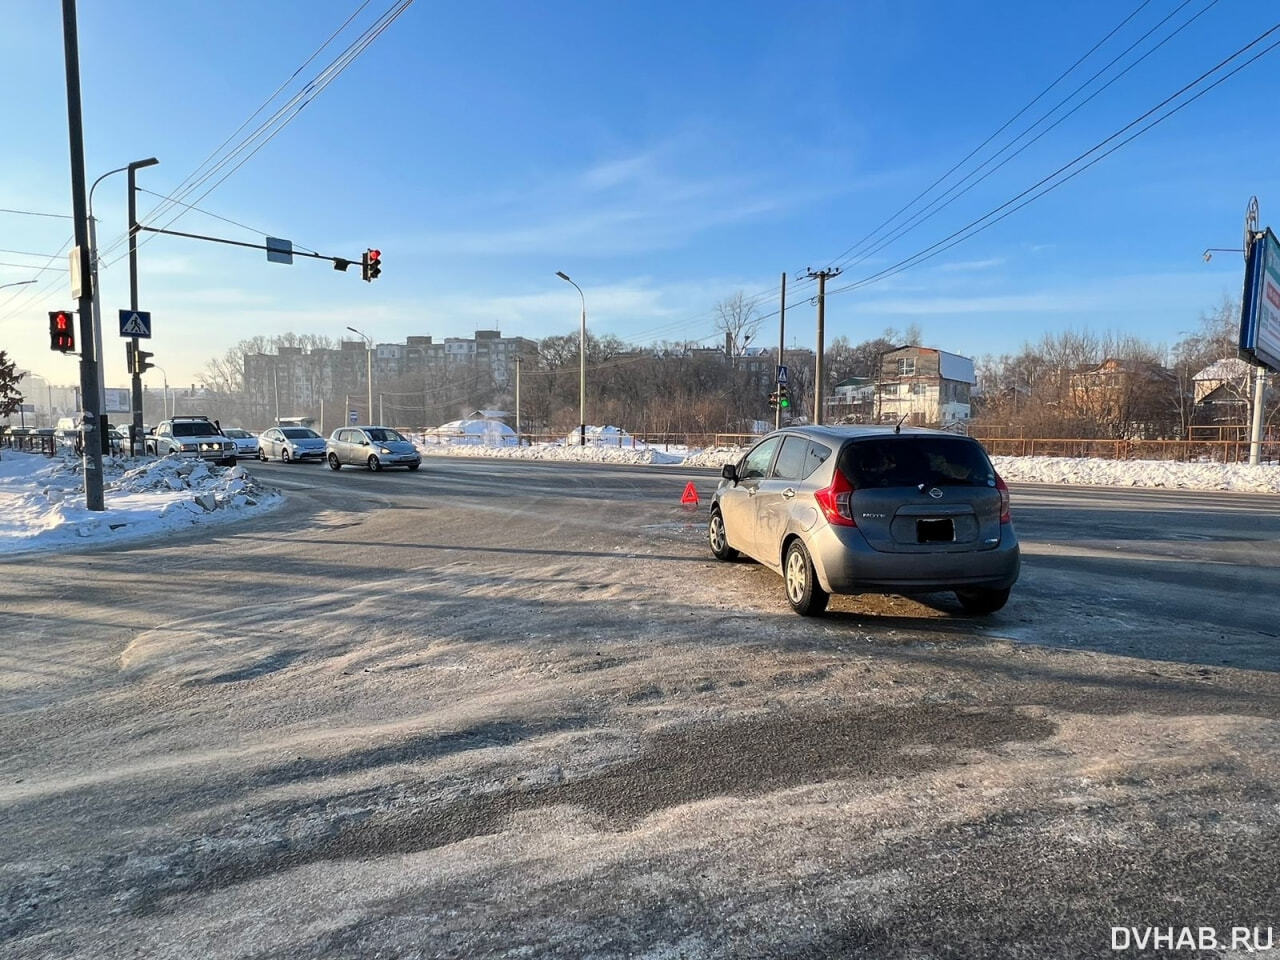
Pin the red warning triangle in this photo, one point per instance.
(690, 493)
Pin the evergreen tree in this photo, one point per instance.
(10, 398)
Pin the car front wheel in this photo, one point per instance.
(414, 466)
(720, 548)
(804, 594)
(334, 462)
(375, 464)
(982, 601)
(284, 455)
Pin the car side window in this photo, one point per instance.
(756, 463)
(791, 459)
(815, 457)
(340, 436)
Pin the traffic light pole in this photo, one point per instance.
(136, 384)
(92, 402)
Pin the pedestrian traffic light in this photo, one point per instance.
(784, 400)
(62, 331)
(773, 400)
(138, 359)
(371, 265)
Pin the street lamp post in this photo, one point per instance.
(368, 342)
(164, 397)
(582, 363)
(16, 283)
(136, 392)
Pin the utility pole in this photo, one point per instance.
(136, 384)
(822, 277)
(782, 342)
(382, 411)
(1259, 401)
(91, 441)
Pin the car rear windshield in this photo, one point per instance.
(383, 435)
(906, 461)
(299, 433)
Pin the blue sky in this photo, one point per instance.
(664, 155)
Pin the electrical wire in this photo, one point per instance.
(1001, 129)
(945, 200)
(990, 219)
(33, 213)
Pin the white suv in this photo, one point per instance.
(195, 437)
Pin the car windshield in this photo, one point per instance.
(236, 432)
(198, 428)
(383, 435)
(906, 461)
(300, 433)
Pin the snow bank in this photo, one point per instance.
(42, 499)
(470, 433)
(1140, 473)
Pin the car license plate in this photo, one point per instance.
(935, 531)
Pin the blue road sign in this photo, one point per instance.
(353, 416)
(135, 323)
(782, 375)
(279, 251)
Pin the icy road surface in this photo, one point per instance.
(515, 710)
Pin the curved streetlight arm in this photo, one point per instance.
(16, 283)
(582, 363)
(368, 345)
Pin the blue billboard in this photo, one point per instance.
(1260, 307)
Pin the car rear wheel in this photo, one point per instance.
(720, 548)
(334, 462)
(375, 464)
(982, 601)
(804, 594)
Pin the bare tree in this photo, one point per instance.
(736, 319)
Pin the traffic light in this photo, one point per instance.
(371, 265)
(784, 399)
(773, 400)
(62, 331)
(137, 358)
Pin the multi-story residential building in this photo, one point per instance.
(924, 385)
(291, 380)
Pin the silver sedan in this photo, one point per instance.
(290, 444)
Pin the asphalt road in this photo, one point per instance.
(501, 708)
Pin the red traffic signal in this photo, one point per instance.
(62, 331)
(371, 265)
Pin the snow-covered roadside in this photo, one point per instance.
(42, 500)
(1240, 477)
(1064, 470)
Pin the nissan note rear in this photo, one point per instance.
(870, 510)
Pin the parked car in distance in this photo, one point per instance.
(246, 442)
(197, 437)
(372, 447)
(869, 510)
(290, 444)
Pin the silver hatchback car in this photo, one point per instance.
(372, 447)
(870, 510)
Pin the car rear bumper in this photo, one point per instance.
(846, 563)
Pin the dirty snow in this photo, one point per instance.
(42, 499)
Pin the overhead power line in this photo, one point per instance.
(34, 213)
(1004, 126)
(955, 191)
(1050, 182)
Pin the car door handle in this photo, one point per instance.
(788, 493)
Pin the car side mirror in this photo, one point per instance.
(730, 472)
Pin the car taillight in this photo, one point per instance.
(835, 500)
(1004, 498)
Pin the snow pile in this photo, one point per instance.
(1140, 473)
(470, 433)
(714, 457)
(42, 499)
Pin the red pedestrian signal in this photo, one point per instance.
(62, 331)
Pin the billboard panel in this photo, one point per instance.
(1260, 307)
(117, 401)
